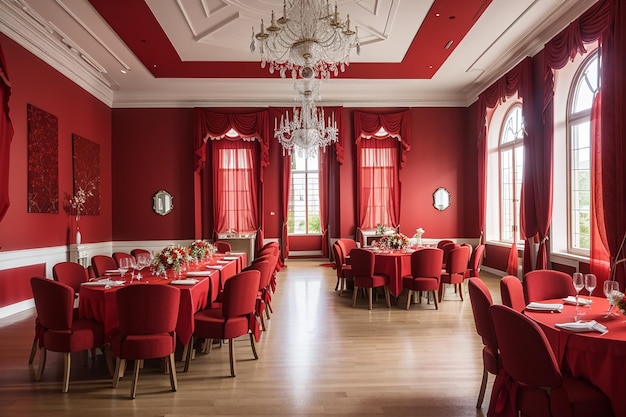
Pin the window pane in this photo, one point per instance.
(304, 205)
(511, 168)
(587, 86)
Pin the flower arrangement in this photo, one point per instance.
(618, 299)
(199, 250)
(172, 257)
(394, 241)
(78, 200)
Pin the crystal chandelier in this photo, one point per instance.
(309, 34)
(307, 131)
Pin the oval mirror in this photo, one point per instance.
(162, 203)
(441, 199)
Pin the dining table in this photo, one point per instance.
(395, 264)
(598, 357)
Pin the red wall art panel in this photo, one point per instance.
(43, 161)
(86, 160)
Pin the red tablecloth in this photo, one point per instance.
(597, 358)
(98, 303)
(395, 265)
(223, 272)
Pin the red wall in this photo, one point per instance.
(34, 82)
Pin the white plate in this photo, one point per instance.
(190, 281)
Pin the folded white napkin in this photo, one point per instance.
(104, 283)
(583, 326)
(112, 272)
(214, 267)
(199, 273)
(189, 281)
(570, 299)
(237, 253)
(544, 307)
(230, 258)
(223, 262)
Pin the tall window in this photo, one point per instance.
(511, 155)
(304, 196)
(585, 86)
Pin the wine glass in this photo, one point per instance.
(590, 285)
(133, 265)
(579, 284)
(123, 266)
(609, 287)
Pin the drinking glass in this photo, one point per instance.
(609, 287)
(123, 266)
(579, 284)
(590, 285)
(133, 265)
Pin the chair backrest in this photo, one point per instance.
(362, 262)
(240, 292)
(457, 260)
(147, 309)
(272, 259)
(265, 268)
(222, 247)
(121, 255)
(54, 302)
(70, 273)
(481, 300)
(545, 284)
(339, 259)
(525, 352)
(447, 248)
(347, 244)
(512, 293)
(426, 263)
(443, 243)
(101, 263)
(476, 260)
(137, 252)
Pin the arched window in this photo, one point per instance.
(511, 164)
(583, 90)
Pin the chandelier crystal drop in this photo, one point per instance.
(307, 130)
(310, 33)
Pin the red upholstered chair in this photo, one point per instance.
(344, 271)
(347, 245)
(543, 389)
(70, 273)
(265, 268)
(364, 276)
(147, 322)
(120, 255)
(233, 318)
(136, 252)
(446, 250)
(54, 302)
(443, 243)
(475, 261)
(544, 284)
(512, 293)
(481, 300)
(271, 248)
(267, 292)
(456, 265)
(425, 274)
(101, 263)
(222, 247)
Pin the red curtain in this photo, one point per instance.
(603, 22)
(234, 186)
(324, 166)
(6, 135)
(366, 125)
(213, 125)
(286, 188)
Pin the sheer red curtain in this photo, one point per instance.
(324, 159)
(214, 126)
(235, 179)
(6, 135)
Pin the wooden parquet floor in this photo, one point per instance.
(318, 357)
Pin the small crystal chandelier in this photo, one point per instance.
(307, 131)
(309, 34)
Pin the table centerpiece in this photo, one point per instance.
(171, 261)
(394, 241)
(201, 251)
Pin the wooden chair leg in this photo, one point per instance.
(435, 299)
(120, 364)
(33, 350)
(67, 365)
(133, 387)
(337, 285)
(483, 385)
(354, 294)
(461, 290)
(231, 354)
(173, 379)
(42, 364)
(369, 297)
(253, 346)
(190, 347)
(408, 299)
(387, 299)
(440, 292)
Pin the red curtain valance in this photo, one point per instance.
(214, 125)
(396, 124)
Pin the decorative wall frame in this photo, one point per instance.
(86, 164)
(43, 161)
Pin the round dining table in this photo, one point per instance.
(596, 357)
(395, 264)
